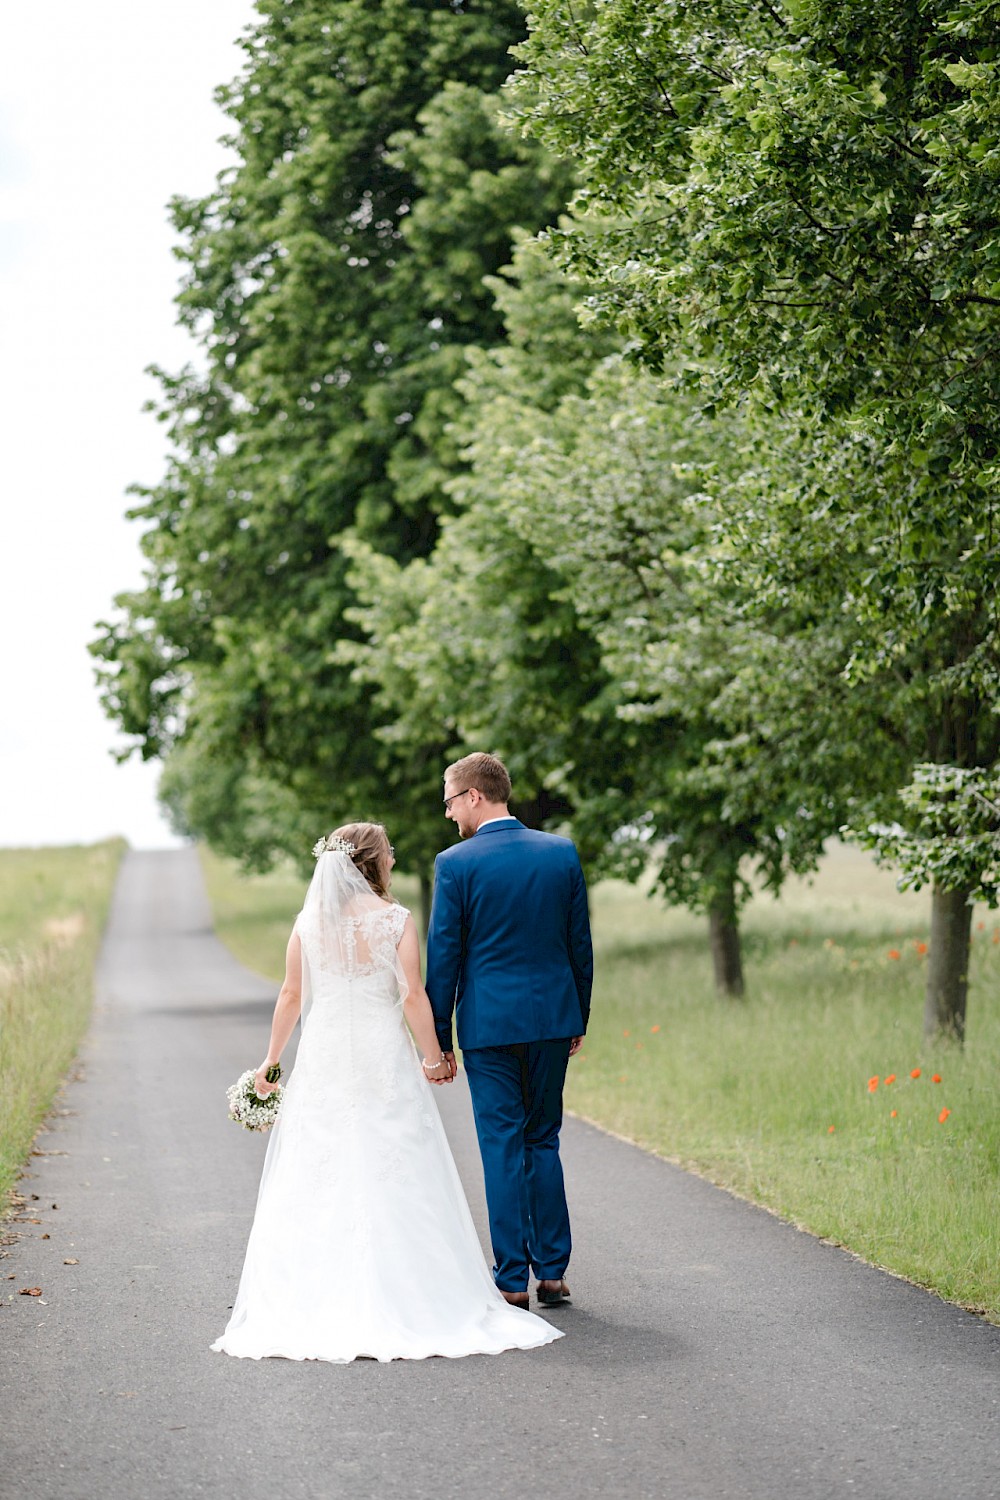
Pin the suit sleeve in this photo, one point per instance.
(581, 950)
(445, 952)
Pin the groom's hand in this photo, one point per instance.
(575, 1044)
(449, 1058)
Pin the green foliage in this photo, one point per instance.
(575, 616)
(954, 836)
(727, 723)
(478, 640)
(332, 280)
(798, 203)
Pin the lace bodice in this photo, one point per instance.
(363, 946)
(371, 940)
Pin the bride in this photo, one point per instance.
(362, 1242)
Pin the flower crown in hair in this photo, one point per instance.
(333, 844)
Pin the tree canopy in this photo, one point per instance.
(332, 281)
(797, 200)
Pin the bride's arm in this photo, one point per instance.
(286, 1013)
(417, 1007)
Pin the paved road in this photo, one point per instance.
(713, 1353)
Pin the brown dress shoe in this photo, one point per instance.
(516, 1299)
(552, 1293)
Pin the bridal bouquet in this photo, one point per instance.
(246, 1106)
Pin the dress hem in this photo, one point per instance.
(383, 1359)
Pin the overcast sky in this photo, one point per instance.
(106, 110)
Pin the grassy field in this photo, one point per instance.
(53, 905)
(776, 1097)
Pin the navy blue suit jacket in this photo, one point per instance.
(509, 950)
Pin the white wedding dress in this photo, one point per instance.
(362, 1242)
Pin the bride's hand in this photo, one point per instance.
(260, 1083)
(439, 1072)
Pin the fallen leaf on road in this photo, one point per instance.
(45, 1236)
(30, 1291)
(72, 1261)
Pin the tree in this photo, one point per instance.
(568, 613)
(800, 197)
(332, 280)
(953, 841)
(610, 490)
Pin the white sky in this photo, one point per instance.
(106, 110)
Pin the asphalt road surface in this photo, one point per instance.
(712, 1353)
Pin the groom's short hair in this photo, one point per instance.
(487, 773)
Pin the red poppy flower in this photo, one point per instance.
(943, 1116)
(921, 949)
(891, 1078)
(654, 1029)
(894, 953)
(872, 1085)
(914, 1072)
(830, 1129)
(936, 1078)
(893, 1113)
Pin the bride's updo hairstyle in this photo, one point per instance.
(372, 853)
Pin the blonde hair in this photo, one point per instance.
(372, 852)
(487, 773)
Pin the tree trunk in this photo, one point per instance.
(426, 891)
(535, 812)
(948, 965)
(724, 936)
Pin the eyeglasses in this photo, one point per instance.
(449, 800)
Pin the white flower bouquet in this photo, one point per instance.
(246, 1106)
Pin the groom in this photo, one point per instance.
(509, 953)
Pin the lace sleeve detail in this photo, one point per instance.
(376, 938)
(396, 920)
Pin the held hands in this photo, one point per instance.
(443, 1071)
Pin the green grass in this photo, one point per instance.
(53, 906)
(746, 1092)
